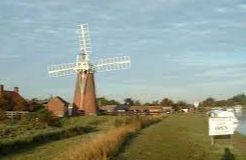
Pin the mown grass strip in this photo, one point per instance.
(181, 137)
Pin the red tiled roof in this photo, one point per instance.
(13, 98)
(62, 100)
(11, 94)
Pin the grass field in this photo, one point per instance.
(48, 151)
(115, 128)
(181, 137)
(19, 134)
(177, 137)
(22, 138)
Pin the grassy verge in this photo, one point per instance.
(107, 144)
(49, 150)
(18, 135)
(181, 137)
(104, 125)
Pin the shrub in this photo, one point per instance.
(41, 119)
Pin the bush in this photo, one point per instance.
(41, 119)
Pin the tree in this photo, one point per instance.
(166, 102)
(239, 99)
(155, 103)
(182, 103)
(129, 101)
(102, 101)
(137, 103)
(176, 107)
(147, 104)
(223, 103)
(209, 102)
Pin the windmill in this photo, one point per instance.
(85, 94)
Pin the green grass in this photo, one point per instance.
(18, 134)
(50, 149)
(12, 130)
(180, 137)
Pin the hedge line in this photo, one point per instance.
(11, 145)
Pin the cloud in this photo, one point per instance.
(107, 17)
(221, 10)
(22, 4)
(8, 57)
(28, 20)
(242, 6)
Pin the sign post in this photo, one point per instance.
(212, 140)
(220, 126)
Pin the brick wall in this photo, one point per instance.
(57, 107)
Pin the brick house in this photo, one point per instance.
(58, 106)
(13, 100)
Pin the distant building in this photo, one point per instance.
(15, 102)
(122, 108)
(188, 108)
(155, 109)
(147, 110)
(36, 104)
(168, 109)
(58, 106)
(139, 109)
(108, 109)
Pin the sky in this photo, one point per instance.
(182, 49)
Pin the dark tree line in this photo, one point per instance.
(239, 99)
(102, 101)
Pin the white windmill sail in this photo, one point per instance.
(62, 69)
(111, 64)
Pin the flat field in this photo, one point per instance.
(182, 137)
(177, 137)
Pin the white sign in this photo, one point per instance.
(221, 126)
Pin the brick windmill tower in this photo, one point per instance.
(85, 92)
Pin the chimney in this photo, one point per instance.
(1, 88)
(16, 89)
